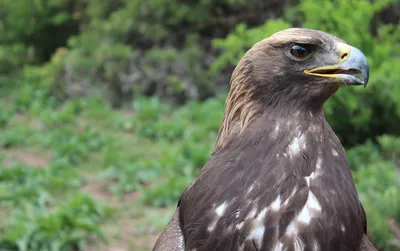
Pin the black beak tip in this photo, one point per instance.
(366, 77)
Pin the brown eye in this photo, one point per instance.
(301, 51)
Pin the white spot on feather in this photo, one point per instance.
(334, 152)
(258, 229)
(315, 245)
(313, 202)
(307, 180)
(261, 216)
(290, 197)
(313, 128)
(212, 225)
(275, 205)
(278, 247)
(298, 143)
(318, 170)
(306, 214)
(257, 234)
(275, 132)
(319, 163)
(236, 214)
(294, 146)
(251, 188)
(240, 225)
(220, 209)
(292, 230)
(311, 209)
(251, 214)
(342, 228)
(313, 175)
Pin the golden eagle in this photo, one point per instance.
(278, 177)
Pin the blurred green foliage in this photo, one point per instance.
(65, 66)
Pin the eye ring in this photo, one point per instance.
(301, 51)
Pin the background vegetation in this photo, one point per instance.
(110, 108)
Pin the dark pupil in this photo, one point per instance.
(299, 51)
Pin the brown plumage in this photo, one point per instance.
(278, 177)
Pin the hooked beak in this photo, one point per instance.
(352, 68)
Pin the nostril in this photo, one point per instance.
(344, 55)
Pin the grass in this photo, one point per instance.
(81, 176)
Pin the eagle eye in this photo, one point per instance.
(301, 51)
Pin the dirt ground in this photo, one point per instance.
(125, 231)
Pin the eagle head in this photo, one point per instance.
(303, 64)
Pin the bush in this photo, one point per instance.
(27, 30)
(124, 48)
